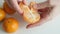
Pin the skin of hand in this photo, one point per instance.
(47, 15)
(14, 5)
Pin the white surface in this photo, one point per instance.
(51, 27)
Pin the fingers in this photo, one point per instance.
(45, 16)
(7, 1)
(54, 2)
(42, 21)
(19, 0)
(15, 6)
(24, 1)
(42, 5)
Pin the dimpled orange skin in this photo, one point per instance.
(10, 25)
(26, 14)
(2, 14)
(7, 9)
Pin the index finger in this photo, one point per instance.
(14, 4)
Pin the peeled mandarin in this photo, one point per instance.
(30, 15)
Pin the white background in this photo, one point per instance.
(50, 27)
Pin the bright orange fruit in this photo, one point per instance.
(8, 9)
(29, 14)
(10, 25)
(2, 14)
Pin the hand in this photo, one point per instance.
(14, 5)
(47, 12)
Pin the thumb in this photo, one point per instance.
(42, 5)
(42, 21)
(25, 2)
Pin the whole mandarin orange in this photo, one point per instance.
(2, 14)
(10, 25)
(7, 9)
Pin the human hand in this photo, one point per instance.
(14, 5)
(47, 10)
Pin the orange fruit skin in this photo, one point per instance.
(2, 14)
(7, 9)
(31, 5)
(26, 13)
(10, 25)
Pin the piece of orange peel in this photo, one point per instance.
(30, 15)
